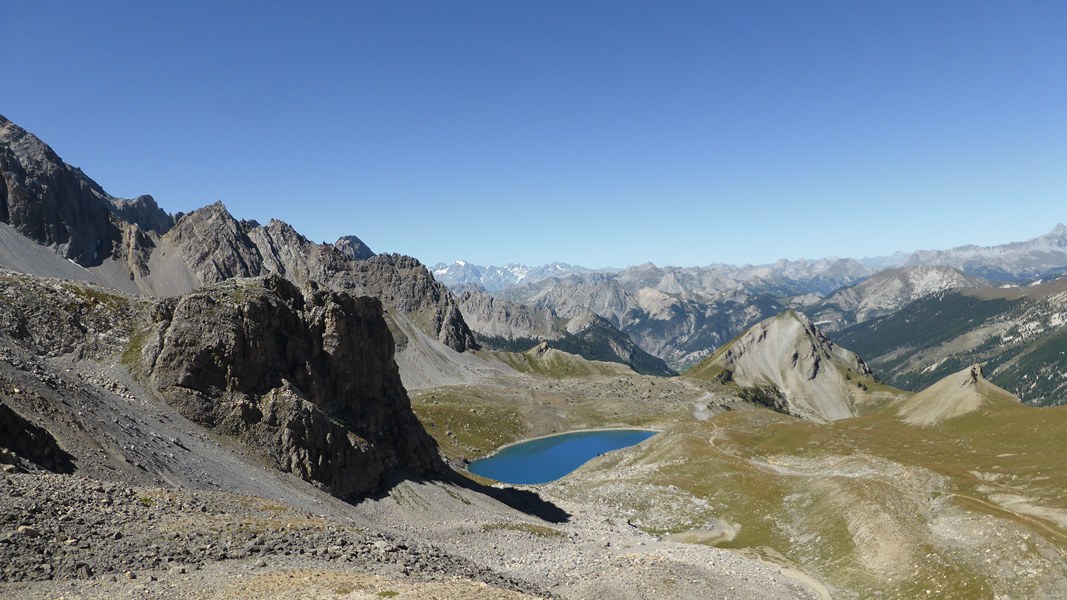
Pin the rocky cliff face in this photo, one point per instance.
(50, 202)
(505, 325)
(307, 378)
(405, 284)
(491, 317)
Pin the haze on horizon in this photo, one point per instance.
(603, 134)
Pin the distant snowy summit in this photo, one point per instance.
(1044, 256)
(462, 274)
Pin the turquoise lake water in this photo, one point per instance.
(547, 459)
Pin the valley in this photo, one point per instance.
(870, 506)
(201, 406)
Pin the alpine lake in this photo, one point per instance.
(549, 458)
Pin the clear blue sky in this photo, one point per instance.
(598, 133)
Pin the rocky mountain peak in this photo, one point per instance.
(215, 245)
(788, 354)
(27, 147)
(50, 202)
(144, 212)
(353, 247)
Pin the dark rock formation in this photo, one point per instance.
(25, 442)
(51, 202)
(215, 245)
(306, 378)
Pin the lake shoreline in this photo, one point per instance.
(541, 437)
(576, 432)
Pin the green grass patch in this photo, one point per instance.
(465, 424)
(529, 528)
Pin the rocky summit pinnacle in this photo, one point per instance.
(353, 247)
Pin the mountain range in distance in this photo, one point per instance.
(683, 314)
(1041, 257)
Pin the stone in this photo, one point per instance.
(28, 531)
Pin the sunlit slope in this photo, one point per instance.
(796, 369)
(549, 362)
(964, 506)
(954, 396)
(1019, 335)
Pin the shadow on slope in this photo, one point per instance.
(26, 441)
(524, 501)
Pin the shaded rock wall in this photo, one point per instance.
(307, 378)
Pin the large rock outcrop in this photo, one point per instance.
(405, 284)
(307, 378)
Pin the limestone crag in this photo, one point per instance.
(307, 378)
(498, 318)
(505, 325)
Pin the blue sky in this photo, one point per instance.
(597, 133)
